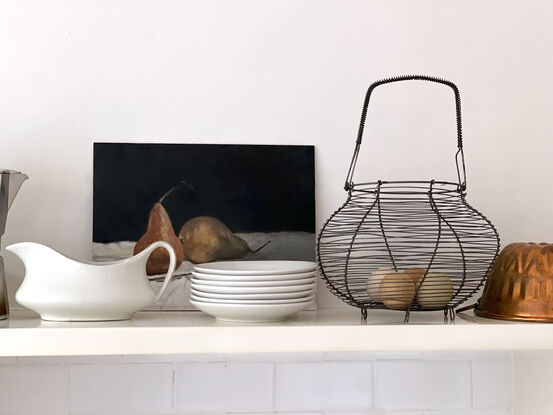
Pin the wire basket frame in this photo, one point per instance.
(407, 245)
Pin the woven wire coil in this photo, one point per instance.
(407, 245)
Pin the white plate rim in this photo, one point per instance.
(238, 278)
(218, 289)
(218, 268)
(248, 283)
(306, 300)
(254, 296)
(246, 305)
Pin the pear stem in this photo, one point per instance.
(168, 192)
(260, 248)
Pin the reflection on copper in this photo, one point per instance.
(520, 286)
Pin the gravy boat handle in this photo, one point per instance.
(172, 263)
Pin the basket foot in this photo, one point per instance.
(364, 315)
(407, 315)
(449, 315)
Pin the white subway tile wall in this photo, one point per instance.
(430, 383)
(329, 385)
(115, 388)
(224, 386)
(493, 384)
(34, 390)
(413, 384)
(377, 413)
(468, 412)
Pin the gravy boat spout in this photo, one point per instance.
(63, 289)
(31, 253)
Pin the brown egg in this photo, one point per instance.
(397, 290)
(415, 273)
(373, 282)
(435, 291)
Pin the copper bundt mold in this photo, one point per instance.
(520, 286)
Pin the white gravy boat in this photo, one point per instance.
(62, 289)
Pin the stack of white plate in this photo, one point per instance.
(253, 291)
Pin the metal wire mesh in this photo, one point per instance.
(406, 245)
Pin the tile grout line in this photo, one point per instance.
(472, 383)
(373, 386)
(513, 383)
(68, 392)
(275, 384)
(174, 390)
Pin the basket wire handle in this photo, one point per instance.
(459, 156)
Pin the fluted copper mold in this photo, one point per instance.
(520, 286)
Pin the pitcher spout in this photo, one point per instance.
(31, 251)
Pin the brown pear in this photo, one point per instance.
(206, 239)
(160, 228)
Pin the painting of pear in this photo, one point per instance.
(219, 202)
(206, 239)
(159, 228)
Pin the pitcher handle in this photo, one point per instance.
(172, 263)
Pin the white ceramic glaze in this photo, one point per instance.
(62, 289)
(276, 283)
(217, 289)
(306, 299)
(253, 296)
(238, 313)
(255, 267)
(265, 277)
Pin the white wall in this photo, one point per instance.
(286, 72)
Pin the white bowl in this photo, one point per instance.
(258, 296)
(237, 313)
(252, 277)
(256, 267)
(306, 300)
(218, 289)
(276, 283)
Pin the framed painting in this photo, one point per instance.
(246, 202)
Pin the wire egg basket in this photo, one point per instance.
(407, 245)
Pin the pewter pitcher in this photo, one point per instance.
(10, 182)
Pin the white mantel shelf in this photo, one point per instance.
(327, 330)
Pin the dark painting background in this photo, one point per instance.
(251, 188)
